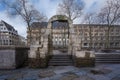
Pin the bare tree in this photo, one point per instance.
(109, 14)
(27, 12)
(71, 8)
(90, 19)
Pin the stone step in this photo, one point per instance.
(108, 58)
(60, 64)
(60, 57)
(107, 61)
(60, 60)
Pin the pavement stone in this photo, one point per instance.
(56, 77)
(111, 72)
(116, 77)
(100, 71)
(98, 77)
(46, 74)
(84, 77)
(69, 77)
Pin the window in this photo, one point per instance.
(85, 44)
(101, 44)
(101, 34)
(117, 44)
(111, 44)
(96, 34)
(85, 34)
(117, 30)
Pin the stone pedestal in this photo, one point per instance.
(84, 59)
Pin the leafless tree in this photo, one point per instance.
(90, 19)
(110, 15)
(26, 10)
(70, 8)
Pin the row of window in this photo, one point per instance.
(101, 44)
(101, 38)
(8, 37)
(8, 42)
(3, 28)
(99, 34)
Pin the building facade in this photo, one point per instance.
(97, 37)
(9, 36)
(90, 36)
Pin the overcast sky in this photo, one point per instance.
(49, 8)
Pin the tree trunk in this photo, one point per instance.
(107, 40)
(90, 36)
(30, 32)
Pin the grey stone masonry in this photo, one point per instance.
(12, 57)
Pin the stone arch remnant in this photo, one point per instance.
(71, 31)
(46, 50)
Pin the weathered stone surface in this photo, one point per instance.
(73, 73)
(116, 78)
(7, 59)
(38, 63)
(15, 77)
(11, 58)
(69, 77)
(44, 74)
(100, 71)
(85, 77)
(85, 54)
(84, 59)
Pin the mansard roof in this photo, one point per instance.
(39, 24)
(95, 25)
(57, 25)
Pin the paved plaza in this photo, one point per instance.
(99, 72)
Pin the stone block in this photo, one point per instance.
(84, 59)
(11, 58)
(38, 63)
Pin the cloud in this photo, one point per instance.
(93, 5)
(48, 7)
(16, 22)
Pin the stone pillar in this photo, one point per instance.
(38, 54)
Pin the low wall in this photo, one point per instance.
(13, 57)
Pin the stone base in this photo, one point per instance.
(84, 59)
(84, 62)
(38, 63)
(13, 57)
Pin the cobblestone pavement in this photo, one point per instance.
(99, 72)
